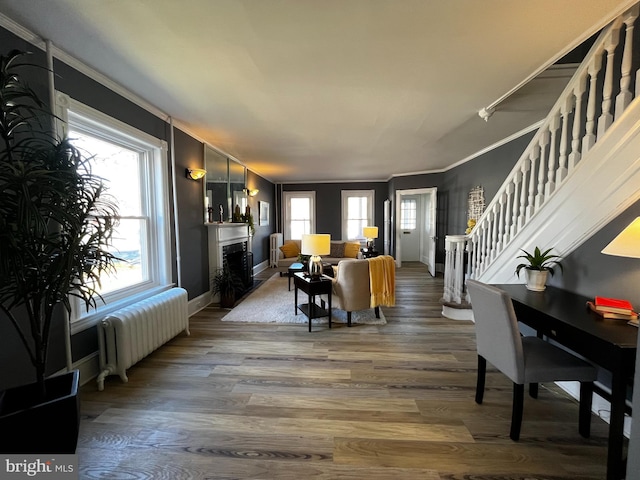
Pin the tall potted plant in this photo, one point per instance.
(538, 265)
(55, 227)
(226, 284)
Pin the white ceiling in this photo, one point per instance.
(328, 89)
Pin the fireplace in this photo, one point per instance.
(230, 244)
(240, 262)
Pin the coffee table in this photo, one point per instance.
(312, 287)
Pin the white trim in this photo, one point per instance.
(599, 406)
(370, 195)
(568, 48)
(480, 152)
(153, 153)
(199, 303)
(287, 196)
(399, 193)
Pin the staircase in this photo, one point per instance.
(581, 169)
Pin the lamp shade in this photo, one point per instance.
(370, 232)
(627, 243)
(316, 244)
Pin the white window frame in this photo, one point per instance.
(155, 177)
(346, 194)
(287, 196)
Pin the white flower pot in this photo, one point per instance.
(536, 280)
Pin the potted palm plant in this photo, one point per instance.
(538, 265)
(226, 284)
(55, 227)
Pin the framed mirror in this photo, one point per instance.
(224, 185)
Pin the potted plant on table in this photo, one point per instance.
(538, 266)
(55, 228)
(226, 284)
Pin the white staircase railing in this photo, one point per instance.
(593, 100)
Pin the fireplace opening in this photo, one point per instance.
(239, 261)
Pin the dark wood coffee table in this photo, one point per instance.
(312, 287)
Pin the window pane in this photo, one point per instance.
(119, 166)
(129, 242)
(408, 214)
(121, 169)
(300, 217)
(356, 215)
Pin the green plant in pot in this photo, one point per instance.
(227, 284)
(538, 265)
(55, 227)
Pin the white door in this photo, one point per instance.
(425, 232)
(428, 247)
(410, 227)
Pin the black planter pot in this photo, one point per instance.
(50, 426)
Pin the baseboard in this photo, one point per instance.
(261, 267)
(600, 406)
(88, 366)
(199, 303)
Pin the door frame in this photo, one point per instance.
(432, 191)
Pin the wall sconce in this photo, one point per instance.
(195, 173)
(251, 192)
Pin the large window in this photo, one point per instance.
(133, 166)
(299, 215)
(357, 213)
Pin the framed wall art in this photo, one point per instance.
(263, 212)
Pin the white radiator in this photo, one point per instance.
(275, 242)
(133, 332)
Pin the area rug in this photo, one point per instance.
(271, 302)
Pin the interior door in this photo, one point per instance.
(425, 232)
(429, 231)
(410, 228)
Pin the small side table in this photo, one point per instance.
(294, 268)
(321, 286)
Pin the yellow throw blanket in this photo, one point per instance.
(382, 281)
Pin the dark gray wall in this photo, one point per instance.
(589, 272)
(189, 197)
(15, 366)
(329, 202)
(266, 193)
(488, 170)
(189, 153)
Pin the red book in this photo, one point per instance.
(633, 316)
(615, 305)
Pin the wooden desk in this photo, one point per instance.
(610, 344)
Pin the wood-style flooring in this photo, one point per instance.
(266, 401)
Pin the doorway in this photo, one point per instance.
(415, 238)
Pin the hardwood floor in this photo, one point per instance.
(265, 401)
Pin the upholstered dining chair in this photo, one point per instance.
(525, 360)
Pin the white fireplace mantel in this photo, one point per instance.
(222, 234)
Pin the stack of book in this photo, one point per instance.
(614, 308)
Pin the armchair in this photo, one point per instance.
(352, 287)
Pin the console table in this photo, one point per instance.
(611, 344)
(312, 287)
